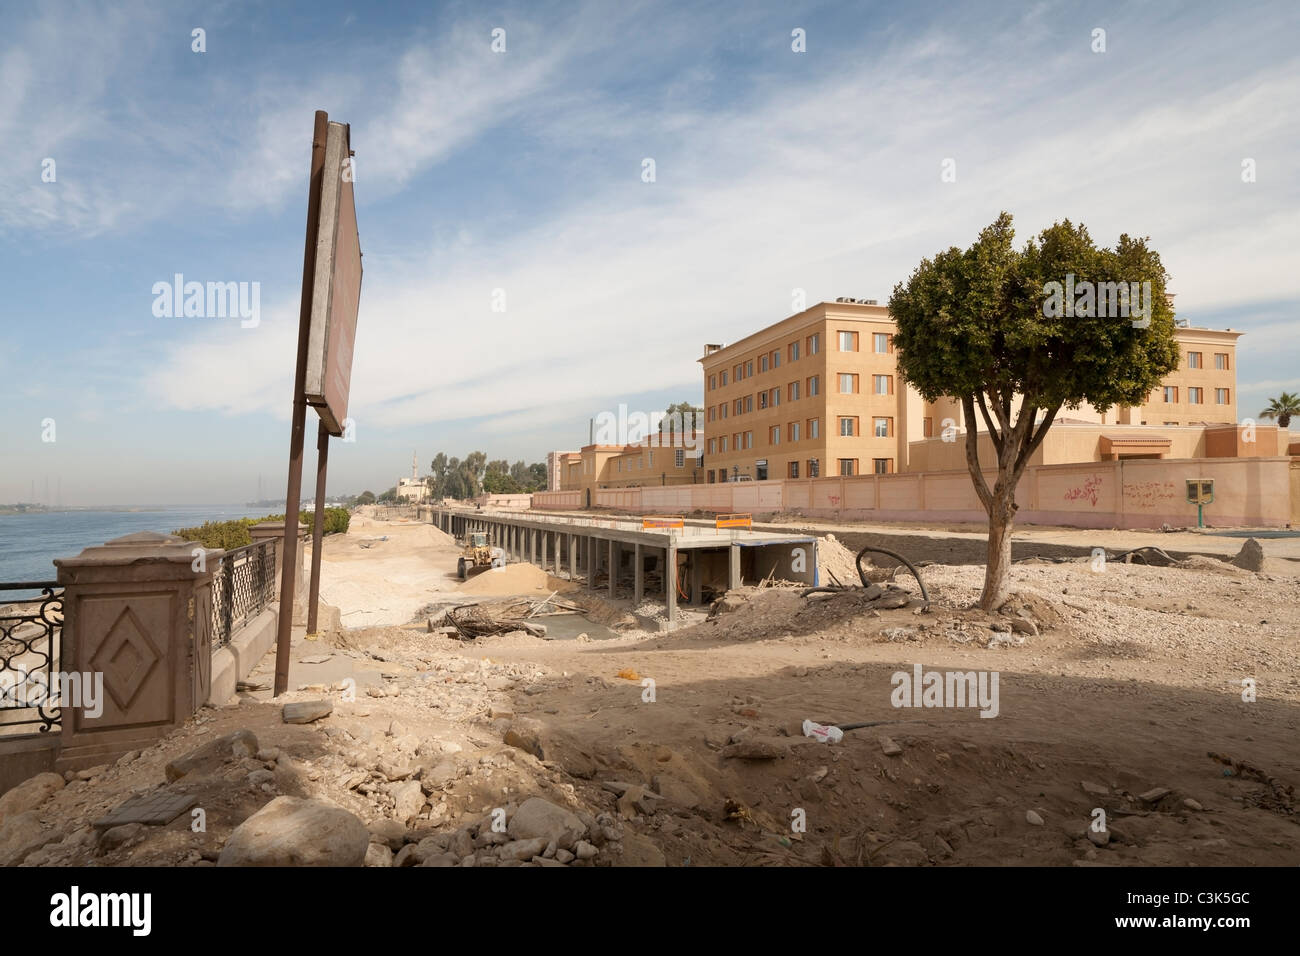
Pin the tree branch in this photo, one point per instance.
(994, 435)
(972, 455)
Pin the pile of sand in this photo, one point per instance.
(512, 579)
(834, 557)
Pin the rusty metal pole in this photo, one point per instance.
(318, 527)
(293, 493)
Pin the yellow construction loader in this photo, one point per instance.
(477, 553)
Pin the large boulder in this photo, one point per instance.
(29, 794)
(290, 831)
(22, 834)
(1251, 556)
(540, 818)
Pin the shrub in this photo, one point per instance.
(234, 533)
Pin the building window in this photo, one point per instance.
(713, 446)
(793, 469)
(762, 364)
(849, 383)
(710, 474)
(776, 396)
(1221, 360)
(774, 434)
(794, 431)
(735, 440)
(812, 467)
(776, 359)
(814, 343)
(848, 427)
(794, 351)
(736, 407)
(882, 466)
(723, 408)
(749, 403)
(713, 382)
(738, 373)
(848, 341)
(794, 391)
(1193, 359)
(1221, 396)
(848, 466)
(883, 427)
(814, 427)
(1170, 423)
(927, 428)
(1171, 395)
(749, 368)
(713, 412)
(1194, 395)
(882, 384)
(762, 400)
(749, 439)
(724, 445)
(724, 378)
(881, 342)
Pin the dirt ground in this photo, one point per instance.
(1120, 690)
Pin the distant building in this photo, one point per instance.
(555, 469)
(414, 488)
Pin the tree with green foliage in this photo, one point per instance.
(365, 498)
(981, 325)
(1282, 409)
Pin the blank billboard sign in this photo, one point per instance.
(336, 288)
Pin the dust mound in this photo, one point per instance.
(512, 579)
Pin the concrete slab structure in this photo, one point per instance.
(701, 558)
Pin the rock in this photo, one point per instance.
(523, 849)
(1191, 804)
(290, 831)
(29, 794)
(584, 850)
(120, 836)
(639, 851)
(892, 600)
(538, 818)
(377, 854)
(259, 777)
(439, 775)
(127, 757)
(1250, 557)
(90, 773)
(22, 834)
(269, 755)
(1099, 838)
(408, 800)
(634, 801)
(1022, 625)
(889, 748)
(1033, 819)
(1154, 795)
(899, 635)
(756, 748)
(525, 740)
(396, 729)
(902, 853)
(211, 753)
(675, 792)
(1096, 789)
(564, 856)
(390, 833)
(306, 711)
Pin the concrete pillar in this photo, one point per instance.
(573, 558)
(613, 565)
(670, 583)
(697, 578)
(733, 566)
(135, 612)
(591, 563)
(545, 545)
(638, 575)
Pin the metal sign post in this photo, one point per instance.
(327, 320)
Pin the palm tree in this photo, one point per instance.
(1282, 408)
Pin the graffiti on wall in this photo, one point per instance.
(1150, 494)
(1088, 491)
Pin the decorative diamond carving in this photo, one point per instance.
(125, 657)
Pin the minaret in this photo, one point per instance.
(415, 473)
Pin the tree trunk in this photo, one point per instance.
(997, 573)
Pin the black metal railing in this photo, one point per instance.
(242, 585)
(31, 631)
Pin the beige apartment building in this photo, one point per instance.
(657, 460)
(818, 394)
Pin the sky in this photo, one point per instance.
(516, 176)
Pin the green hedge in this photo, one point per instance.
(235, 534)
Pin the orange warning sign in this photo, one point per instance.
(735, 521)
(669, 521)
